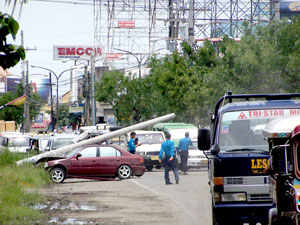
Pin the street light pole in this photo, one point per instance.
(57, 78)
(138, 60)
(51, 102)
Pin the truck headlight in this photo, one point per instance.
(233, 197)
(217, 197)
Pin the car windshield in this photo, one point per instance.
(19, 141)
(243, 130)
(179, 133)
(150, 138)
(61, 142)
(44, 143)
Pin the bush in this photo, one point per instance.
(15, 203)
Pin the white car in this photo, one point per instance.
(150, 148)
(196, 158)
(14, 141)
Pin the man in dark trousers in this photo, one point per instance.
(167, 148)
(183, 149)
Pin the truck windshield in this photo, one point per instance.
(244, 129)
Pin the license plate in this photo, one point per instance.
(203, 161)
(154, 158)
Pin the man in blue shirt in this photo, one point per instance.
(167, 148)
(183, 149)
(132, 143)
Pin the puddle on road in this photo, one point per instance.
(67, 206)
(70, 221)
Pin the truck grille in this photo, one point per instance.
(260, 197)
(235, 180)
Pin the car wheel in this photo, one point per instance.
(124, 172)
(58, 175)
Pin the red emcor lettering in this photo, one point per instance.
(61, 51)
(80, 51)
(88, 51)
(70, 51)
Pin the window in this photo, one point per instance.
(89, 152)
(109, 152)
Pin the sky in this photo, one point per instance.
(48, 24)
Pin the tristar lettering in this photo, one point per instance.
(266, 113)
(294, 112)
(75, 52)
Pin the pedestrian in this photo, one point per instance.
(133, 143)
(167, 148)
(183, 149)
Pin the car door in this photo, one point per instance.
(87, 164)
(109, 161)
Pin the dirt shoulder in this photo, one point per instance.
(106, 202)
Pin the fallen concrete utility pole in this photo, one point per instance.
(96, 140)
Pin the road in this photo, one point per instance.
(144, 200)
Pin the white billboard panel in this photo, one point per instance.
(75, 52)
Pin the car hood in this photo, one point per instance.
(49, 158)
(148, 148)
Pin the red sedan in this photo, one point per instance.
(95, 161)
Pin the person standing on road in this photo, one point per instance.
(183, 149)
(133, 143)
(167, 148)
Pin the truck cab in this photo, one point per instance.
(238, 155)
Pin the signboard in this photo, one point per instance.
(39, 121)
(126, 24)
(75, 52)
(111, 120)
(41, 86)
(289, 8)
(113, 56)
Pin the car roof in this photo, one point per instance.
(13, 134)
(57, 136)
(266, 104)
(148, 132)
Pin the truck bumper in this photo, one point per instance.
(242, 213)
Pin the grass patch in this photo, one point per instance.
(15, 202)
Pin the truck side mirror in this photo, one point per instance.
(203, 139)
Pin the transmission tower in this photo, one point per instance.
(130, 31)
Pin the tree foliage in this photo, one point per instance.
(15, 113)
(189, 83)
(10, 54)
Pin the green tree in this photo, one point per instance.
(15, 113)
(10, 54)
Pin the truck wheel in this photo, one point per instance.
(214, 219)
(149, 168)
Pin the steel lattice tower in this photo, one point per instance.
(156, 26)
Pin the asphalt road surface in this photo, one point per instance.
(144, 200)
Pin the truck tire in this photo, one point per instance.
(149, 168)
(214, 219)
